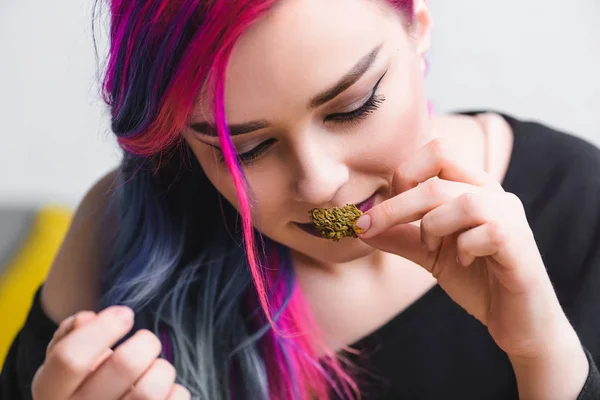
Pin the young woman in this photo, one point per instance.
(476, 274)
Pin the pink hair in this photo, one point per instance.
(294, 340)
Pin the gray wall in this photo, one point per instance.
(532, 58)
(537, 59)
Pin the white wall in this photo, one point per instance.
(534, 58)
(54, 129)
(537, 59)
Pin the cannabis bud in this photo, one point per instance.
(337, 222)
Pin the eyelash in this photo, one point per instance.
(363, 111)
(354, 116)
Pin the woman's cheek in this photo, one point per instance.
(263, 181)
(394, 137)
(271, 188)
(216, 173)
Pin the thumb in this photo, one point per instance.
(403, 240)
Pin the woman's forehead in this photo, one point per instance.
(299, 48)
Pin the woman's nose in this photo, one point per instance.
(319, 176)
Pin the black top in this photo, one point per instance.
(434, 349)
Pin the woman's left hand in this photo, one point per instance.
(474, 238)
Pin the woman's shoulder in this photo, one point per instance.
(72, 283)
(549, 165)
(556, 176)
(541, 155)
(569, 151)
(538, 139)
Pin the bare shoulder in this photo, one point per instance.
(484, 141)
(72, 283)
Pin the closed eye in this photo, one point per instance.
(354, 116)
(357, 115)
(250, 156)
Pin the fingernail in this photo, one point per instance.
(125, 314)
(362, 224)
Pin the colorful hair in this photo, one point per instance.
(231, 318)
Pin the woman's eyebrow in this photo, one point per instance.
(357, 71)
(208, 129)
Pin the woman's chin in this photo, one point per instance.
(346, 250)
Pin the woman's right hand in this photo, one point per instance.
(81, 365)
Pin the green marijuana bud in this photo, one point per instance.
(337, 222)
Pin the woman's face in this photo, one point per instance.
(331, 100)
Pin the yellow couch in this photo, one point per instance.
(27, 268)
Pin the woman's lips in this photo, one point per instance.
(367, 204)
(309, 228)
(363, 207)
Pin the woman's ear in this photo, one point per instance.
(421, 28)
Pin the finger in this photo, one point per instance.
(482, 241)
(155, 384)
(179, 392)
(70, 360)
(436, 159)
(405, 241)
(83, 318)
(36, 391)
(107, 353)
(411, 205)
(67, 325)
(465, 212)
(511, 248)
(123, 368)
